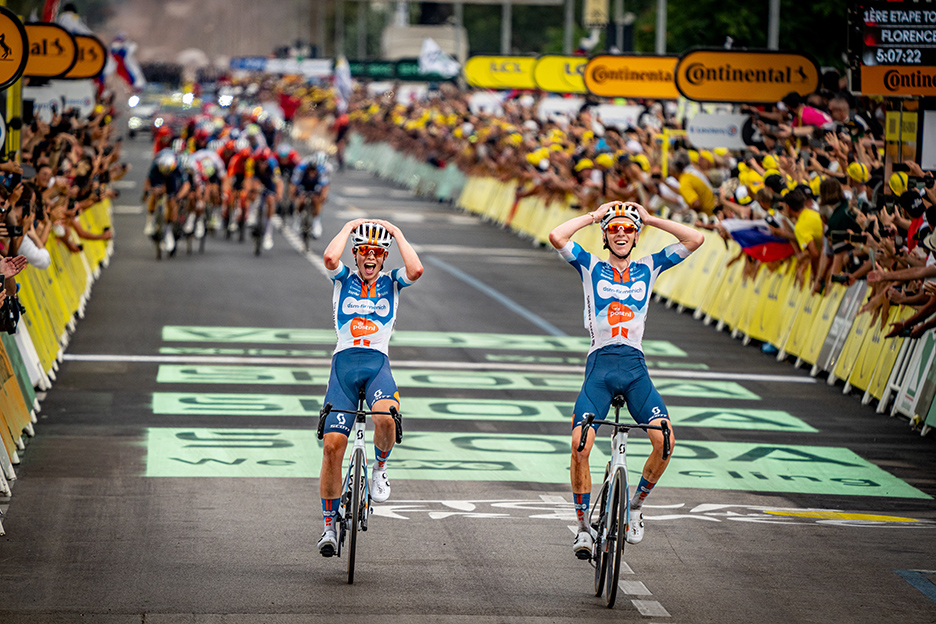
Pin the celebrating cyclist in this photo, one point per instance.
(365, 302)
(617, 296)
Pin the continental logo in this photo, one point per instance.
(731, 76)
(602, 73)
(632, 76)
(891, 80)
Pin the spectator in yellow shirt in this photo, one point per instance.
(694, 185)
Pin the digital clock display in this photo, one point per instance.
(893, 33)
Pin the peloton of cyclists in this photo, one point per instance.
(617, 295)
(365, 303)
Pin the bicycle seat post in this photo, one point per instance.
(359, 417)
(618, 402)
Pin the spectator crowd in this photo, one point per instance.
(63, 168)
(813, 176)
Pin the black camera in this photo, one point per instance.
(839, 279)
(11, 180)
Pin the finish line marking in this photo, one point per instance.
(480, 366)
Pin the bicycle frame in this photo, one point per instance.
(348, 488)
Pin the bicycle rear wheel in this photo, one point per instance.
(617, 524)
(356, 509)
(600, 560)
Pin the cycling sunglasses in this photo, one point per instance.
(363, 250)
(626, 227)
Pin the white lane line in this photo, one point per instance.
(296, 243)
(634, 588)
(124, 184)
(128, 210)
(546, 498)
(432, 364)
(651, 608)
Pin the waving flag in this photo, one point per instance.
(343, 83)
(757, 241)
(434, 60)
(125, 64)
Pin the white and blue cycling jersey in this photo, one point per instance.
(365, 313)
(309, 181)
(616, 303)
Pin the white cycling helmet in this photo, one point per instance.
(166, 163)
(626, 210)
(371, 234)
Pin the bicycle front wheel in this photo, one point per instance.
(600, 560)
(355, 508)
(617, 524)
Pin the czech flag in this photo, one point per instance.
(757, 241)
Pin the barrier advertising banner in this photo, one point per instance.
(744, 76)
(632, 76)
(708, 131)
(500, 72)
(560, 74)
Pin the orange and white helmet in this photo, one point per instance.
(371, 234)
(626, 210)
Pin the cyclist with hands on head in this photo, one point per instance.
(365, 302)
(617, 295)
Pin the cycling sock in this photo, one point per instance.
(381, 457)
(329, 511)
(640, 495)
(267, 226)
(581, 508)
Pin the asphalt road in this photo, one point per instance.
(173, 477)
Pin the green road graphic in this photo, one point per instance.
(580, 361)
(195, 452)
(220, 404)
(275, 375)
(235, 352)
(463, 340)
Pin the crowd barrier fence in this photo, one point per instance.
(822, 331)
(53, 299)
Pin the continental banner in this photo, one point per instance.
(500, 72)
(632, 76)
(92, 56)
(52, 51)
(744, 76)
(898, 80)
(560, 74)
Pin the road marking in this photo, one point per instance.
(651, 608)
(403, 338)
(467, 250)
(634, 588)
(296, 243)
(505, 301)
(124, 184)
(920, 580)
(128, 210)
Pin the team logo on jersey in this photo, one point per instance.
(365, 306)
(363, 327)
(619, 313)
(636, 291)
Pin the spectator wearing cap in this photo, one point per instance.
(694, 186)
(808, 231)
(858, 176)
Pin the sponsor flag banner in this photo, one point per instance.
(560, 74)
(757, 241)
(709, 131)
(500, 72)
(434, 60)
(632, 76)
(744, 76)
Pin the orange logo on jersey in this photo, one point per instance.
(363, 327)
(619, 313)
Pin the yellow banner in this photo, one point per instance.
(730, 76)
(632, 76)
(13, 48)
(500, 72)
(560, 74)
(92, 55)
(52, 51)
(898, 80)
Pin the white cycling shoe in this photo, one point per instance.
(584, 543)
(635, 531)
(316, 227)
(189, 226)
(380, 487)
(328, 544)
(267, 241)
(149, 228)
(200, 228)
(168, 241)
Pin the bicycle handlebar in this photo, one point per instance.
(591, 420)
(327, 409)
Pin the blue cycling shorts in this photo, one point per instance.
(618, 369)
(351, 370)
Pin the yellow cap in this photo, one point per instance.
(604, 160)
(815, 183)
(858, 172)
(771, 171)
(515, 138)
(707, 155)
(588, 135)
(770, 162)
(643, 161)
(898, 183)
(585, 163)
(693, 156)
(555, 147)
(721, 151)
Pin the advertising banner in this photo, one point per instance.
(744, 76)
(500, 72)
(708, 131)
(14, 52)
(52, 51)
(560, 74)
(92, 56)
(632, 76)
